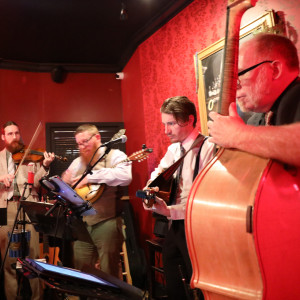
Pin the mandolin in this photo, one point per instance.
(92, 192)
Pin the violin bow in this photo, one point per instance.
(35, 135)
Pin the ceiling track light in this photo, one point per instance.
(123, 13)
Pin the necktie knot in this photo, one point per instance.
(182, 150)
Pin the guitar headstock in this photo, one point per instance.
(118, 134)
(140, 155)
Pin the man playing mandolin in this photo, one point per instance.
(179, 117)
(268, 84)
(105, 227)
(11, 188)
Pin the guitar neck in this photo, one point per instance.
(122, 161)
(136, 156)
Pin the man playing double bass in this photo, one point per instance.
(179, 118)
(11, 188)
(268, 84)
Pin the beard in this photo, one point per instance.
(15, 146)
(87, 154)
(255, 101)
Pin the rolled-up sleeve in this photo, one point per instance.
(120, 174)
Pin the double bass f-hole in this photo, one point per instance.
(249, 215)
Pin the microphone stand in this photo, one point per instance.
(23, 238)
(90, 167)
(59, 202)
(88, 170)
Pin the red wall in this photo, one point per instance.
(163, 67)
(28, 98)
(134, 120)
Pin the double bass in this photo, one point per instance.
(243, 212)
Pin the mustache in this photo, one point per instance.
(15, 146)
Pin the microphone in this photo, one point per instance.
(30, 177)
(121, 139)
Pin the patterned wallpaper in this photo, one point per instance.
(163, 66)
(167, 65)
(166, 58)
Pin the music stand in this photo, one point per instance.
(129, 291)
(67, 197)
(59, 223)
(71, 281)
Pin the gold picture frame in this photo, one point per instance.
(208, 66)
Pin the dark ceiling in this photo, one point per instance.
(80, 35)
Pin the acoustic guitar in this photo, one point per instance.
(92, 192)
(165, 180)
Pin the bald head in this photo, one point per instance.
(268, 63)
(266, 46)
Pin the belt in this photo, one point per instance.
(176, 224)
(178, 221)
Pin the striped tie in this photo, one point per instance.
(10, 170)
(178, 176)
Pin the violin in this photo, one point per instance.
(33, 155)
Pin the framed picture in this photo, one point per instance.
(208, 63)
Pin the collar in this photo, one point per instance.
(276, 103)
(187, 143)
(8, 154)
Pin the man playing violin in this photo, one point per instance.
(11, 189)
(105, 228)
(268, 84)
(179, 118)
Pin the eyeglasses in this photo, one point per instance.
(85, 142)
(249, 69)
(253, 67)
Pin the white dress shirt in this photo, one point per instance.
(177, 210)
(119, 175)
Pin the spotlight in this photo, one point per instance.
(123, 13)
